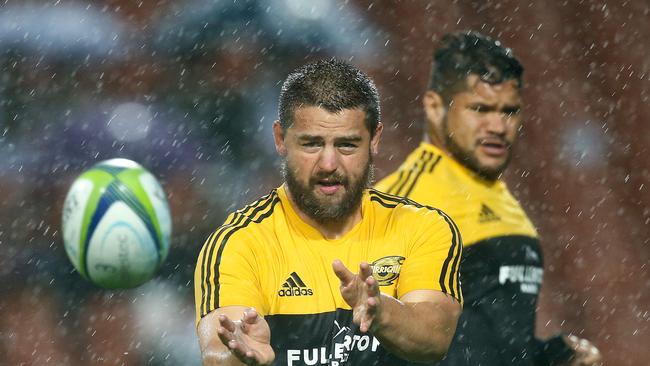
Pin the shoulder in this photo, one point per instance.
(415, 177)
(398, 205)
(246, 221)
(258, 210)
(255, 212)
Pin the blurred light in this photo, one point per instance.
(165, 323)
(584, 146)
(130, 122)
(63, 31)
(314, 9)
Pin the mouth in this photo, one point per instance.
(494, 147)
(329, 186)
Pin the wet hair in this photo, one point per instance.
(464, 53)
(333, 85)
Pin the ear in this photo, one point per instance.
(435, 110)
(374, 142)
(278, 137)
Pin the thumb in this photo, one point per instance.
(342, 272)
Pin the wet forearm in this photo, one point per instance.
(416, 331)
(220, 356)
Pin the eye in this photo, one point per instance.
(480, 108)
(347, 146)
(510, 112)
(310, 144)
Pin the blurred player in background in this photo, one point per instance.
(473, 114)
(323, 270)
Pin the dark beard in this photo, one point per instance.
(323, 212)
(467, 159)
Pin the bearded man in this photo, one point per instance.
(473, 114)
(324, 270)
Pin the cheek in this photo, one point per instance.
(299, 164)
(296, 164)
(464, 131)
(513, 129)
(354, 165)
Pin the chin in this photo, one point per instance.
(490, 172)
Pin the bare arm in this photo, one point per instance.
(245, 341)
(419, 327)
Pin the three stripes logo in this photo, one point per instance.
(487, 215)
(408, 178)
(294, 286)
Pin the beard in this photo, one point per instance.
(327, 209)
(469, 160)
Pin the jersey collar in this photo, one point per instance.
(460, 168)
(311, 232)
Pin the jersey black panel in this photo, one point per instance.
(325, 339)
(501, 279)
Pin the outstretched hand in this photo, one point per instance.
(361, 292)
(248, 338)
(586, 353)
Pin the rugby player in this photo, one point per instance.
(324, 270)
(473, 113)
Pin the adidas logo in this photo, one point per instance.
(487, 215)
(294, 286)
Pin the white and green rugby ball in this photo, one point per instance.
(116, 224)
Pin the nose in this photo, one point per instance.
(328, 160)
(497, 123)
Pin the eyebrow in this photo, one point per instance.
(308, 137)
(350, 138)
(491, 106)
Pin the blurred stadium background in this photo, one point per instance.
(189, 89)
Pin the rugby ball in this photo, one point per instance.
(116, 224)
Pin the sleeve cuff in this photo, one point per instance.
(555, 351)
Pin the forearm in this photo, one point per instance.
(219, 356)
(416, 331)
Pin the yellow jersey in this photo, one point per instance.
(265, 256)
(482, 209)
(501, 268)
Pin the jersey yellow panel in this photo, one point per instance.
(501, 268)
(482, 209)
(265, 256)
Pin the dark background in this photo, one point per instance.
(189, 90)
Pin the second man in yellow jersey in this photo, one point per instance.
(473, 114)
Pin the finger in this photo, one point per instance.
(342, 272)
(225, 322)
(372, 287)
(366, 322)
(365, 271)
(244, 353)
(240, 351)
(225, 336)
(372, 304)
(364, 327)
(250, 316)
(592, 357)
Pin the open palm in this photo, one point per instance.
(249, 338)
(361, 292)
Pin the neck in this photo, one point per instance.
(434, 139)
(330, 229)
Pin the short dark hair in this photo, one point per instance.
(463, 53)
(332, 84)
